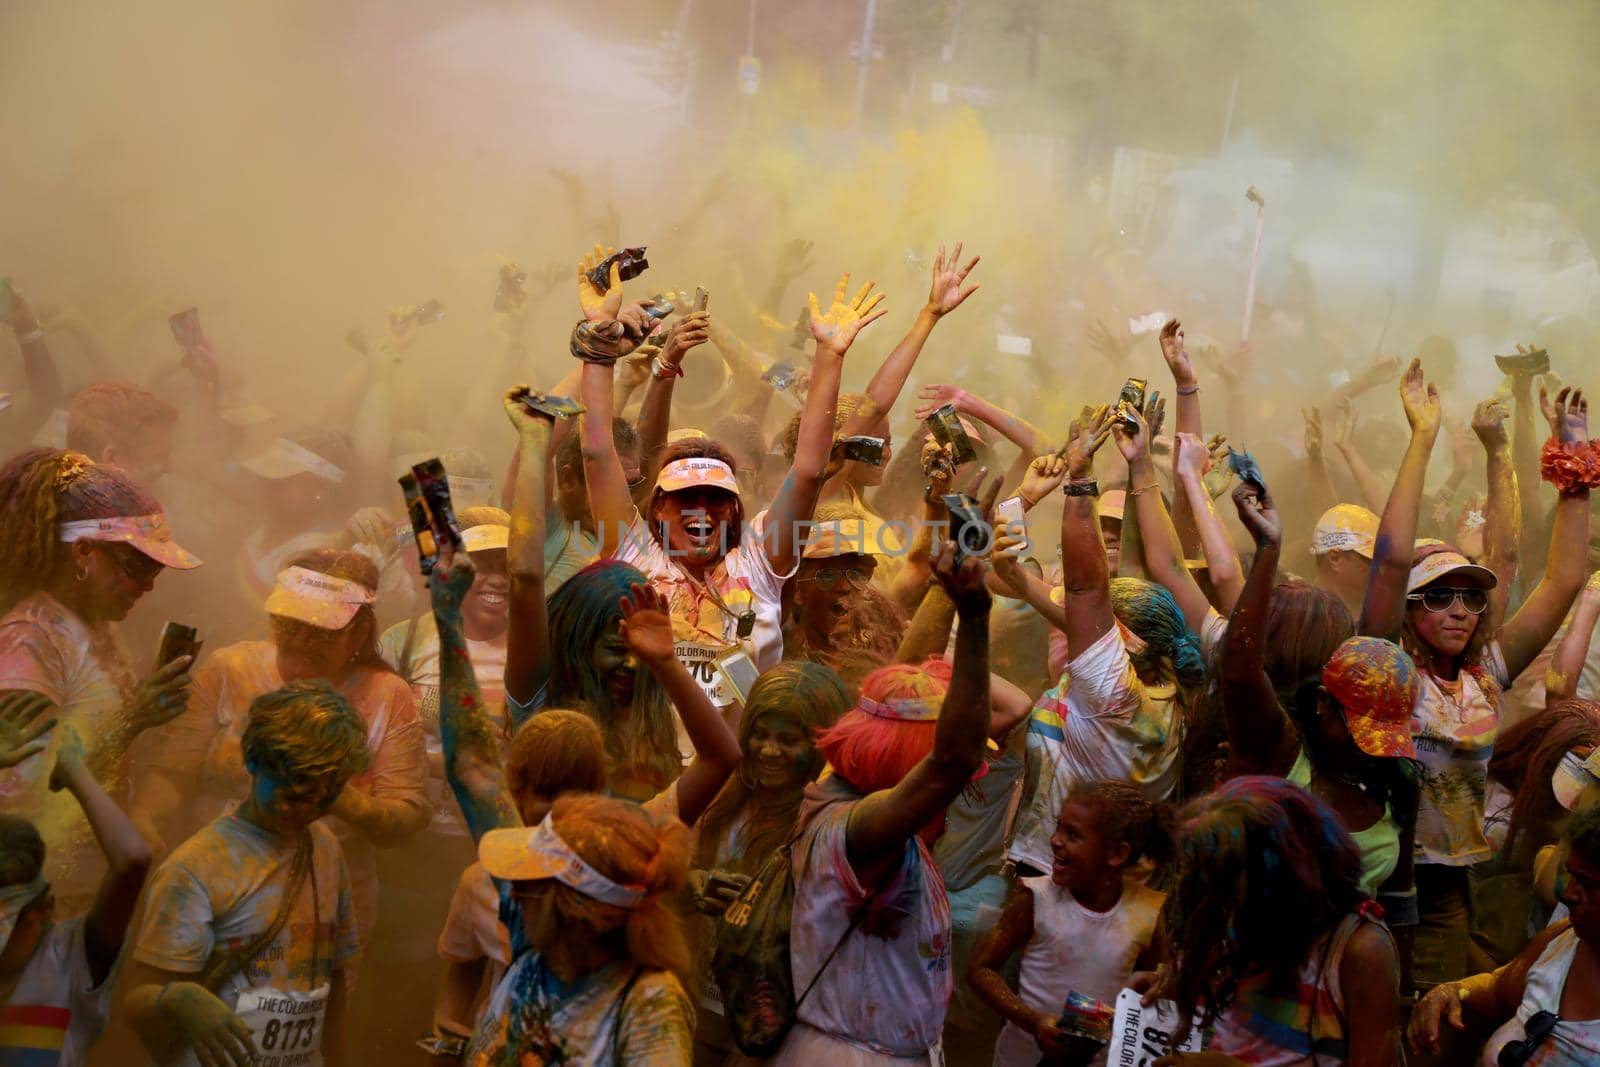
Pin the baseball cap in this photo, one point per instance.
(150, 534)
(697, 472)
(1113, 504)
(533, 853)
(322, 600)
(1345, 527)
(1576, 781)
(1375, 682)
(1435, 560)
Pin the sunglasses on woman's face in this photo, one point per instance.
(1443, 598)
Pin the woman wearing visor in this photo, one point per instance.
(322, 628)
(1436, 602)
(80, 544)
(723, 591)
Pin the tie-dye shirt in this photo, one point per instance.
(222, 888)
(55, 1012)
(1454, 726)
(621, 1013)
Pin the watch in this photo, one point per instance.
(1081, 487)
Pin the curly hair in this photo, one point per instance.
(1525, 758)
(641, 741)
(556, 752)
(115, 414)
(808, 694)
(305, 729)
(1124, 813)
(39, 490)
(620, 840)
(1245, 853)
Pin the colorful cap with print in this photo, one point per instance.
(1576, 781)
(1345, 528)
(1375, 682)
(322, 600)
(529, 854)
(150, 534)
(697, 472)
(1435, 560)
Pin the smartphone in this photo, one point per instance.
(701, 299)
(740, 672)
(185, 327)
(427, 313)
(780, 375)
(630, 264)
(1011, 513)
(1244, 465)
(176, 640)
(863, 449)
(1131, 398)
(967, 528)
(557, 407)
(435, 487)
(945, 425)
(421, 525)
(5, 298)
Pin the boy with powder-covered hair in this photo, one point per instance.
(56, 978)
(250, 929)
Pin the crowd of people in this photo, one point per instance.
(707, 727)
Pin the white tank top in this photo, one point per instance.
(1571, 1043)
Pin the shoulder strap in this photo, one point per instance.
(855, 921)
(225, 966)
(616, 1010)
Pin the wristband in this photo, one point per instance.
(597, 342)
(1081, 487)
(661, 370)
(1570, 466)
(1193, 389)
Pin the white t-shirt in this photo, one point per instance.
(889, 985)
(1454, 726)
(744, 581)
(56, 1012)
(1099, 721)
(1075, 950)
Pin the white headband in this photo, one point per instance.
(309, 460)
(314, 585)
(115, 528)
(569, 869)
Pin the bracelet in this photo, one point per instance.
(661, 370)
(35, 334)
(1143, 489)
(1193, 389)
(1081, 487)
(1570, 466)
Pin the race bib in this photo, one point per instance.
(287, 1026)
(701, 663)
(1141, 1035)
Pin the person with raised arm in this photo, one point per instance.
(1433, 601)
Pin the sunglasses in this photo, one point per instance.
(134, 565)
(1539, 1027)
(827, 579)
(1443, 598)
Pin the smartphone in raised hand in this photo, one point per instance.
(177, 640)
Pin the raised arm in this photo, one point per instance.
(1187, 387)
(1561, 683)
(1261, 739)
(1383, 611)
(655, 415)
(1014, 428)
(1163, 555)
(881, 824)
(1502, 513)
(528, 635)
(38, 368)
(1085, 576)
(1525, 454)
(1193, 463)
(796, 501)
(471, 752)
(647, 631)
(1320, 485)
(1344, 441)
(1536, 621)
(601, 331)
(948, 291)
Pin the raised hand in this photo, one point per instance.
(1109, 345)
(1010, 545)
(1462, 448)
(522, 417)
(1344, 426)
(1193, 457)
(23, 725)
(1420, 398)
(1155, 413)
(1313, 438)
(965, 582)
(937, 396)
(1133, 443)
(1257, 513)
(598, 306)
(1043, 477)
(161, 697)
(1383, 369)
(646, 625)
(835, 330)
(1489, 422)
(1084, 438)
(938, 467)
(948, 291)
(686, 333)
(451, 580)
(794, 259)
(1177, 357)
(1568, 414)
